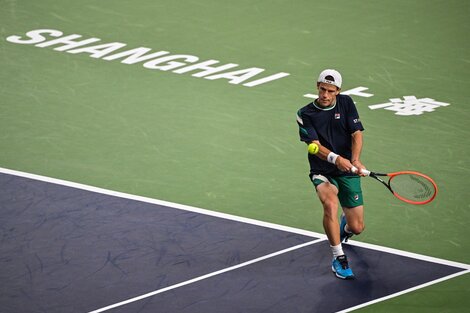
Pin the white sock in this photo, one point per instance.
(337, 251)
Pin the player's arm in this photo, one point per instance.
(356, 149)
(326, 154)
(354, 125)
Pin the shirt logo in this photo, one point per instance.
(337, 116)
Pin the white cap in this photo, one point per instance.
(335, 78)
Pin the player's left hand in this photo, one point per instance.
(358, 164)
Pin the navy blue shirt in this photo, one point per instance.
(331, 126)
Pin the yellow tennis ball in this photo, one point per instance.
(313, 148)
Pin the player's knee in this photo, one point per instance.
(330, 208)
(356, 227)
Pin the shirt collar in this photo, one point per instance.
(323, 108)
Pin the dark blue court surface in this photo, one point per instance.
(71, 250)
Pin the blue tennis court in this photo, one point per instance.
(74, 248)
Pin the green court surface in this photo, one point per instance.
(214, 143)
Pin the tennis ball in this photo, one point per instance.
(313, 148)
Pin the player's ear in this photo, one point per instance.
(338, 90)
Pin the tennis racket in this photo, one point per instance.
(408, 186)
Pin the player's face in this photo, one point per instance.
(326, 94)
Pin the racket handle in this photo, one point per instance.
(366, 172)
(363, 171)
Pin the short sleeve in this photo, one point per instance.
(307, 132)
(353, 121)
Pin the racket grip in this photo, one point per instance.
(363, 171)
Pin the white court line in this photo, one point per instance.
(161, 202)
(465, 267)
(228, 269)
(404, 292)
(410, 255)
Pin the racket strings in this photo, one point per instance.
(412, 187)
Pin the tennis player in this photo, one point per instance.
(332, 122)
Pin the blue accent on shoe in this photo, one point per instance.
(343, 235)
(341, 268)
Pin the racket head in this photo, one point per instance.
(412, 187)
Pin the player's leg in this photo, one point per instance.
(352, 222)
(328, 194)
